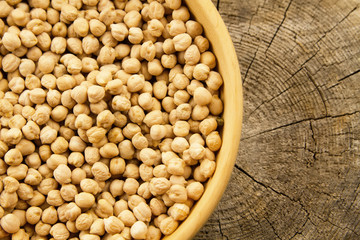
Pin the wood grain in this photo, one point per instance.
(297, 174)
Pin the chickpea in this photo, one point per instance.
(168, 225)
(59, 231)
(10, 223)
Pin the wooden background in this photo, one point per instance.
(297, 175)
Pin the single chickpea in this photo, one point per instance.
(26, 67)
(95, 134)
(13, 136)
(159, 186)
(100, 171)
(213, 141)
(84, 200)
(97, 28)
(98, 227)
(60, 145)
(13, 157)
(95, 93)
(62, 174)
(83, 222)
(59, 231)
(106, 55)
(113, 225)
(72, 211)
(139, 230)
(135, 83)
(10, 223)
(168, 61)
(131, 65)
(10, 63)
(155, 28)
(168, 225)
(68, 192)
(11, 41)
(90, 44)
(8, 200)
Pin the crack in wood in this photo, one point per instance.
(221, 232)
(218, 5)
(273, 228)
(278, 28)
(298, 122)
(321, 94)
(251, 62)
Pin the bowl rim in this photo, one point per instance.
(216, 32)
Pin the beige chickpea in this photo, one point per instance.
(155, 28)
(202, 43)
(13, 136)
(98, 227)
(97, 28)
(131, 65)
(89, 65)
(148, 51)
(121, 103)
(114, 87)
(131, 170)
(106, 55)
(168, 225)
(145, 101)
(68, 192)
(100, 171)
(72, 211)
(8, 200)
(19, 172)
(10, 184)
(26, 67)
(54, 198)
(10, 63)
(155, 68)
(153, 118)
(83, 222)
(168, 61)
(68, 12)
(193, 28)
(62, 174)
(135, 35)
(192, 55)
(84, 200)
(83, 121)
(159, 186)
(181, 128)
(17, 84)
(48, 81)
(157, 132)
(49, 215)
(59, 231)
(208, 58)
(213, 141)
(135, 83)
(157, 206)
(109, 150)
(90, 44)
(179, 144)
(179, 211)
(195, 190)
(202, 96)
(95, 93)
(119, 31)
(214, 80)
(13, 157)
(117, 166)
(113, 225)
(10, 223)
(60, 145)
(11, 41)
(130, 186)
(95, 134)
(81, 26)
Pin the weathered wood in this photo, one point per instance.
(297, 174)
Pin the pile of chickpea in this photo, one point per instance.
(109, 117)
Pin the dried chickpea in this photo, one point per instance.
(10, 223)
(113, 225)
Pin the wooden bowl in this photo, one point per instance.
(215, 30)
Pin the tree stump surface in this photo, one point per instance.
(297, 174)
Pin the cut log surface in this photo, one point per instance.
(297, 174)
